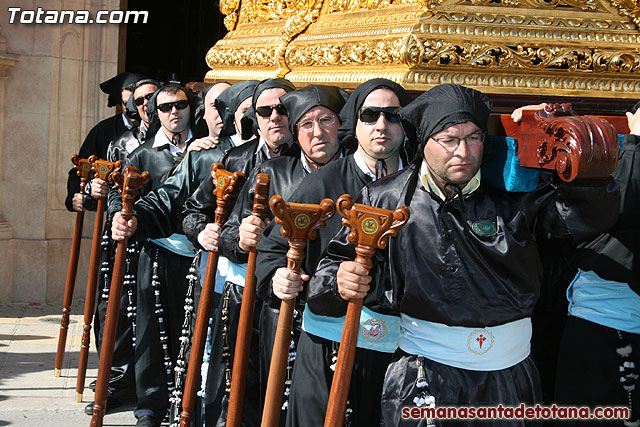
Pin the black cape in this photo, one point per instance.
(96, 143)
(160, 210)
(199, 208)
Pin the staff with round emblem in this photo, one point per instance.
(300, 223)
(370, 230)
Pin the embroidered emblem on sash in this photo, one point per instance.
(374, 329)
(480, 341)
(485, 228)
(302, 221)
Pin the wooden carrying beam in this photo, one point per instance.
(555, 138)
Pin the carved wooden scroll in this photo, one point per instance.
(227, 184)
(371, 229)
(576, 147)
(300, 223)
(83, 169)
(130, 184)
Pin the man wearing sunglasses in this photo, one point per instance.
(121, 379)
(464, 273)
(164, 262)
(119, 90)
(369, 122)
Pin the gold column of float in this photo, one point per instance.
(528, 47)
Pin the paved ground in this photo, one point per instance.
(30, 395)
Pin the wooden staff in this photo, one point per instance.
(83, 169)
(370, 229)
(243, 337)
(103, 170)
(300, 223)
(226, 185)
(130, 184)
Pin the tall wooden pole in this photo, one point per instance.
(130, 184)
(243, 338)
(370, 229)
(102, 170)
(300, 223)
(226, 185)
(83, 167)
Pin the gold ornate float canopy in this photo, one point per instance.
(586, 48)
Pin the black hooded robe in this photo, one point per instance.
(440, 270)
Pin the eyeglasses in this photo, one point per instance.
(371, 114)
(266, 110)
(168, 106)
(452, 142)
(140, 100)
(324, 122)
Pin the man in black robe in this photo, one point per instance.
(121, 378)
(315, 108)
(369, 121)
(464, 272)
(599, 355)
(103, 133)
(163, 263)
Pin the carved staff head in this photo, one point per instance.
(370, 227)
(103, 169)
(261, 197)
(130, 184)
(83, 168)
(300, 223)
(227, 184)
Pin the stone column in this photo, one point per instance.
(51, 101)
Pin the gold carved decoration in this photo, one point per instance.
(555, 47)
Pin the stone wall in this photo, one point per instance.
(49, 100)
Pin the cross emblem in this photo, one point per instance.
(481, 339)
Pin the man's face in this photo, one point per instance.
(174, 120)
(126, 93)
(143, 94)
(453, 163)
(211, 115)
(381, 138)
(239, 113)
(275, 127)
(317, 132)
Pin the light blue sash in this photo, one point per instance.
(227, 271)
(478, 349)
(176, 243)
(378, 332)
(605, 302)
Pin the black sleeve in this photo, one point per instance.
(198, 211)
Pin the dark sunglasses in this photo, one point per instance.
(139, 101)
(371, 114)
(266, 110)
(168, 106)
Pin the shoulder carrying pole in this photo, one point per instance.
(300, 223)
(226, 185)
(370, 229)
(130, 184)
(83, 167)
(102, 170)
(243, 338)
